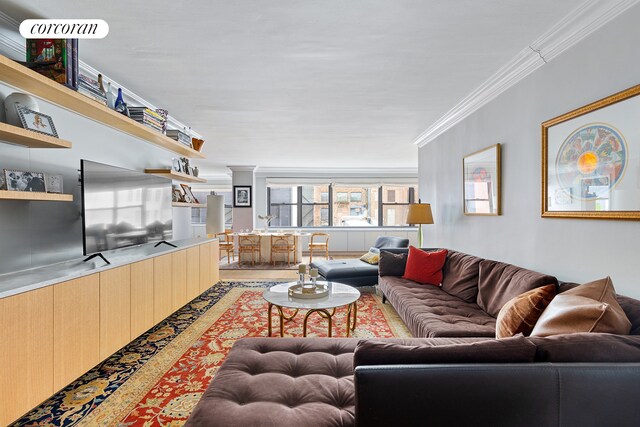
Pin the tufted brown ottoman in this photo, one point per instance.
(281, 382)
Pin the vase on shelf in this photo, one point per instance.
(196, 172)
(119, 104)
(111, 98)
(101, 85)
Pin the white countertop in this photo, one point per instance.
(35, 278)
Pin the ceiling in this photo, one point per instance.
(305, 83)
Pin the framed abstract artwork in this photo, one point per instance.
(591, 160)
(481, 182)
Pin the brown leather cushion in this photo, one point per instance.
(391, 264)
(509, 350)
(460, 275)
(499, 282)
(283, 382)
(520, 314)
(429, 312)
(587, 347)
(591, 307)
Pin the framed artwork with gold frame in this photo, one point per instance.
(591, 160)
(481, 182)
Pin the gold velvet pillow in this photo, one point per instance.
(520, 314)
(591, 307)
(370, 258)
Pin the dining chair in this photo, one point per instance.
(226, 244)
(322, 245)
(249, 244)
(283, 245)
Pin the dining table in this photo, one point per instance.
(265, 246)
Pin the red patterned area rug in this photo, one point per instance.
(164, 390)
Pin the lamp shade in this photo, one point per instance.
(215, 214)
(419, 213)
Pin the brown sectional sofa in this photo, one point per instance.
(466, 305)
(452, 373)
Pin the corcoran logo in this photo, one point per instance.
(64, 29)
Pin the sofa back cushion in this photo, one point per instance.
(460, 275)
(499, 282)
(516, 349)
(587, 347)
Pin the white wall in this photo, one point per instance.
(571, 249)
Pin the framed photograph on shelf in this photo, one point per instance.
(25, 181)
(587, 160)
(177, 164)
(54, 183)
(241, 196)
(35, 121)
(481, 182)
(188, 195)
(177, 194)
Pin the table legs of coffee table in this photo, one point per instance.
(352, 310)
(324, 313)
(282, 317)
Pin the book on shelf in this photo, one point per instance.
(55, 59)
(147, 117)
(179, 136)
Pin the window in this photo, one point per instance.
(199, 215)
(361, 208)
(301, 205)
(395, 204)
(282, 203)
(344, 205)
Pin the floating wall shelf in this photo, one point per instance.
(25, 79)
(35, 196)
(30, 139)
(172, 174)
(188, 205)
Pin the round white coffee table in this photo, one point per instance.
(339, 295)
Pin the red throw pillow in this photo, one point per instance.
(425, 267)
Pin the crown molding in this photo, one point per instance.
(17, 45)
(573, 28)
(243, 168)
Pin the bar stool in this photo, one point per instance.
(249, 244)
(226, 245)
(283, 245)
(323, 245)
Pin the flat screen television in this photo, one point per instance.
(122, 207)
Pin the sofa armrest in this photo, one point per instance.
(498, 395)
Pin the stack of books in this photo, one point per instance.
(90, 88)
(147, 117)
(179, 136)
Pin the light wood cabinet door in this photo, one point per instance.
(193, 272)
(162, 289)
(215, 262)
(179, 284)
(141, 297)
(76, 319)
(26, 352)
(205, 267)
(115, 310)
